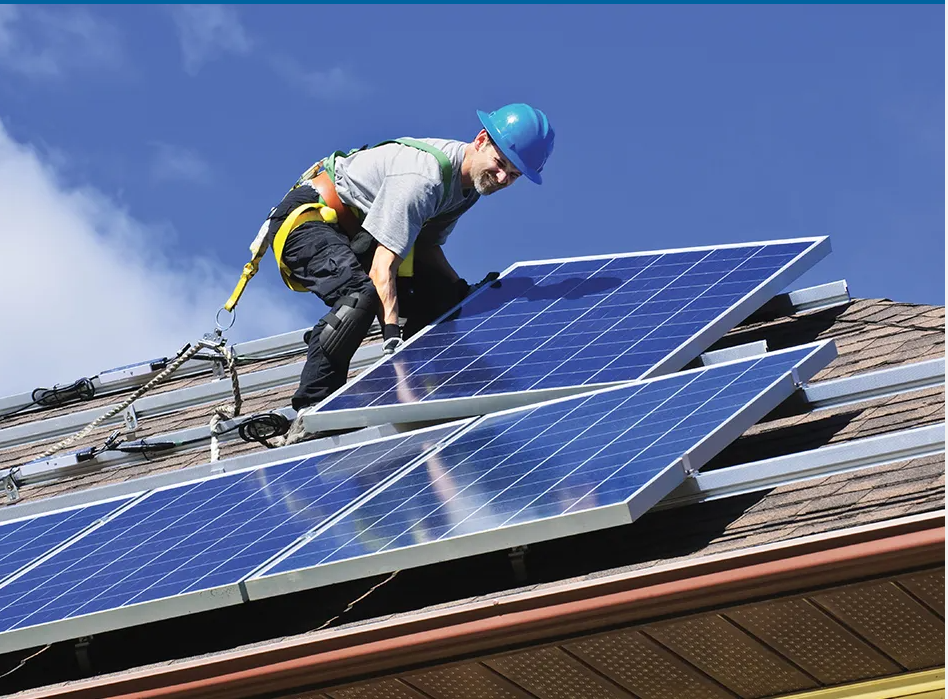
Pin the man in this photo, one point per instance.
(355, 221)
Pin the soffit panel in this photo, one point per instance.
(551, 673)
(645, 668)
(929, 587)
(813, 640)
(730, 656)
(890, 619)
(467, 681)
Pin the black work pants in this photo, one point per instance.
(320, 258)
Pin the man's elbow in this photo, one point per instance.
(383, 273)
(379, 275)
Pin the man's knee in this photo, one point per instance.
(347, 324)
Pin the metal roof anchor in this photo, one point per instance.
(517, 556)
(11, 486)
(131, 420)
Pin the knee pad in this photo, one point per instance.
(346, 325)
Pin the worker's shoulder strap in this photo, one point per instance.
(447, 170)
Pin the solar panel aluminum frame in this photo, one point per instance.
(262, 585)
(191, 602)
(123, 617)
(316, 420)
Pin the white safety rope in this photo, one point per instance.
(227, 411)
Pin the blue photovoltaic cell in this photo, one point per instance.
(571, 323)
(535, 463)
(202, 534)
(25, 540)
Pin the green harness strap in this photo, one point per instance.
(447, 170)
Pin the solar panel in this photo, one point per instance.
(23, 541)
(546, 328)
(536, 473)
(201, 536)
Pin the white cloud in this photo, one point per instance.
(331, 84)
(51, 42)
(207, 32)
(179, 164)
(87, 287)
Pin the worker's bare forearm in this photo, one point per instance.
(383, 273)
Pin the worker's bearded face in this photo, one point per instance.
(490, 170)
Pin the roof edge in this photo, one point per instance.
(536, 616)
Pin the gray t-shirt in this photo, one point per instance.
(400, 188)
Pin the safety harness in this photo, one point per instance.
(330, 209)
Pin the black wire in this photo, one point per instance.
(16, 411)
(260, 428)
(256, 428)
(267, 357)
(208, 357)
(80, 390)
(250, 359)
(143, 447)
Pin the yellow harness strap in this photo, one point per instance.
(407, 267)
(300, 215)
(246, 275)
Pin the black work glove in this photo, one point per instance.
(391, 338)
(488, 278)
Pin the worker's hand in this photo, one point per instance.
(489, 278)
(391, 338)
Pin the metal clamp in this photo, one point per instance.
(689, 469)
(795, 377)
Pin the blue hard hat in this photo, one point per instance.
(523, 134)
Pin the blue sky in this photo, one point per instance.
(144, 146)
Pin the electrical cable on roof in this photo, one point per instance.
(143, 447)
(252, 358)
(80, 390)
(16, 411)
(260, 428)
(210, 341)
(24, 661)
(255, 428)
(357, 600)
